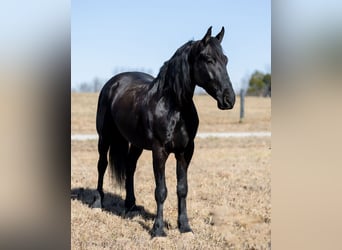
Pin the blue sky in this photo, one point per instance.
(110, 35)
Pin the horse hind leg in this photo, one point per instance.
(112, 141)
(102, 163)
(131, 163)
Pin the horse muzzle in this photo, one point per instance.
(226, 100)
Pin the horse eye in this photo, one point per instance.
(210, 60)
(207, 59)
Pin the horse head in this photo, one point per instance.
(209, 69)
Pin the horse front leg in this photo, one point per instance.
(159, 159)
(183, 160)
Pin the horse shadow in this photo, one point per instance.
(113, 204)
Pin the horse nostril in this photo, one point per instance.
(226, 100)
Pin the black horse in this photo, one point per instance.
(136, 112)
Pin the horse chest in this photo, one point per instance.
(174, 133)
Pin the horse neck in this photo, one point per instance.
(174, 80)
(162, 87)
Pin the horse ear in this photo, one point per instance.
(207, 36)
(220, 35)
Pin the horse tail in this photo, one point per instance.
(118, 152)
(118, 145)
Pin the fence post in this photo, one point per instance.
(242, 104)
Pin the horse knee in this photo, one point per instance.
(182, 189)
(103, 159)
(160, 194)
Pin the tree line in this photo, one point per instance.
(259, 84)
(97, 83)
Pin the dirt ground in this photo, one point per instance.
(229, 198)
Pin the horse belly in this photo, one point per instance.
(133, 129)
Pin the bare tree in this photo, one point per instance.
(85, 87)
(97, 84)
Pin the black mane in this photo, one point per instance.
(175, 75)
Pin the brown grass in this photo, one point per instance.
(229, 187)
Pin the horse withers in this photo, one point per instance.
(137, 111)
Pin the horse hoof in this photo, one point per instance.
(185, 229)
(133, 208)
(158, 233)
(97, 203)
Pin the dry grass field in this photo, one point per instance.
(229, 198)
